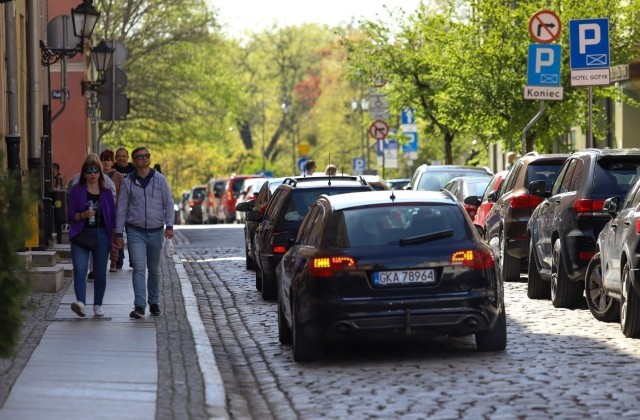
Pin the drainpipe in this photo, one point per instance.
(34, 66)
(13, 137)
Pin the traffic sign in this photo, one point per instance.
(379, 129)
(359, 164)
(408, 116)
(301, 163)
(589, 43)
(543, 65)
(410, 148)
(545, 26)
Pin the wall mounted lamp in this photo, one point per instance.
(84, 18)
(101, 56)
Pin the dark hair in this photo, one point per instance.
(88, 163)
(55, 165)
(310, 164)
(157, 167)
(107, 154)
(137, 149)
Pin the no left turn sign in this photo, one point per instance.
(545, 26)
(379, 129)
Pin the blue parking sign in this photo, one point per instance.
(589, 43)
(543, 65)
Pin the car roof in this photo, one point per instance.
(367, 198)
(323, 181)
(430, 168)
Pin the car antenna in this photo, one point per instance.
(329, 171)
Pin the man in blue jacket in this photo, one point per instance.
(145, 210)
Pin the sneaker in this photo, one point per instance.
(78, 308)
(113, 268)
(97, 311)
(137, 313)
(155, 309)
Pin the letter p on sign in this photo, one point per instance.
(544, 58)
(588, 34)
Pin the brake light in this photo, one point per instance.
(525, 201)
(280, 242)
(584, 205)
(478, 259)
(279, 249)
(586, 255)
(637, 226)
(329, 266)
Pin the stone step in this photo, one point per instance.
(44, 258)
(48, 279)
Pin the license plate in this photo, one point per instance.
(403, 277)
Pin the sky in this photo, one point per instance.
(239, 16)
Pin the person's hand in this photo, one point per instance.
(118, 242)
(168, 233)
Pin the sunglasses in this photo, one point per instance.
(142, 156)
(90, 171)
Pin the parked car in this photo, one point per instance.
(211, 202)
(506, 222)
(279, 226)
(194, 204)
(483, 203)
(376, 182)
(465, 186)
(228, 196)
(249, 191)
(564, 228)
(398, 183)
(184, 200)
(612, 285)
(258, 205)
(386, 266)
(434, 177)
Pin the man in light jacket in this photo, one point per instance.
(145, 210)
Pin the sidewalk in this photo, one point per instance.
(103, 367)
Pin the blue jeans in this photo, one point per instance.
(145, 249)
(80, 260)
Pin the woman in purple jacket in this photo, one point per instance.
(91, 207)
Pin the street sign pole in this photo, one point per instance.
(590, 125)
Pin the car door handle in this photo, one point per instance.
(556, 201)
(627, 223)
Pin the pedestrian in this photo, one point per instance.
(91, 211)
(122, 164)
(309, 167)
(58, 182)
(107, 157)
(331, 170)
(145, 210)
(511, 157)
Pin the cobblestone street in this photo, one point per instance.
(558, 363)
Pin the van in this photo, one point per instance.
(212, 200)
(226, 212)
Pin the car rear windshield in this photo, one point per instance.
(435, 180)
(300, 200)
(389, 224)
(615, 177)
(199, 193)
(477, 187)
(546, 172)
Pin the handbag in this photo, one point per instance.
(85, 239)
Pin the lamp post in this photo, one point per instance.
(84, 18)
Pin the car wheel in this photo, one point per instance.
(509, 266)
(629, 306)
(494, 339)
(258, 280)
(304, 350)
(537, 287)
(269, 287)
(248, 261)
(602, 306)
(284, 332)
(564, 292)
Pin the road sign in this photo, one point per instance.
(301, 163)
(387, 154)
(545, 26)
(551, 93)
(378, 105)
(410, 148)
(543, 65)
(619, 73)
(408, 116)
(379, 129)
(359, 164)
(589, 43)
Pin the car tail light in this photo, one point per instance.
(279, 242)
(589, 207)
(586, 255)
(329, 266)
(478, 259)
(638, 226)
(525, 201)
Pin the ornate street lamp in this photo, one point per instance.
(101, 57)
(84, 18)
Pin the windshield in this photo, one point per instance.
(435, 180)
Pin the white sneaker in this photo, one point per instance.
(78, 308)
(97, 311)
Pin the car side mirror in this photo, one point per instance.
(538, 188)
(472, 200)
(253, 216)
(611, 206)
(492, 197)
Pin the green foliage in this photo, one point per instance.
(15, 282)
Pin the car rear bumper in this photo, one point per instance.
(470, 314)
